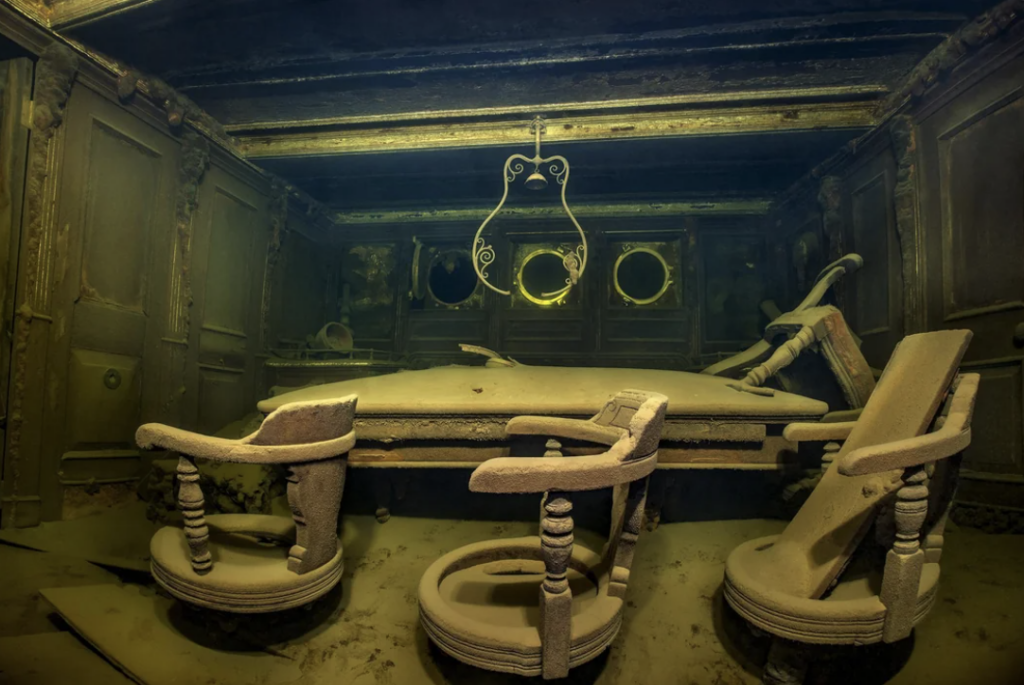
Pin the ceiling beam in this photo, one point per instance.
(65, 14)
(614, 120)
(646, 210)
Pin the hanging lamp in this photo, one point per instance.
(574, 261)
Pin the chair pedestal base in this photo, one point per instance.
(479, 604)
(250, 566)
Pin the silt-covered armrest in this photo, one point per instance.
(157, 435)
(951, 438)
(570, 474)
(818, 432)
(557, 427)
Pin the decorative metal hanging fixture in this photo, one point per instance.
(574, 261)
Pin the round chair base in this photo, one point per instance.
(852, 614)
(250, 566)
(480, 604)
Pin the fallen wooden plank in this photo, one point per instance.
(136, 630)
(53, 658)
(118, 538)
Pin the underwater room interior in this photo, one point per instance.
(319, 366)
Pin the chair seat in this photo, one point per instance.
(851, 614)
(480, 604)
(250, 566)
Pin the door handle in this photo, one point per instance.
(1018, 335)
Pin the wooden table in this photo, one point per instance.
(455, 416)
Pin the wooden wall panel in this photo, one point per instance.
(876, 309)
(972, 155)
(114, 220)
(982, 195)
(232, 229)
(734, 281)
(301, 305)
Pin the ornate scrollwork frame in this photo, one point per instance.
(574, 261)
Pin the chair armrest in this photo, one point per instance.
(557, 427)
(152, 435)
(818, 432)
(509, 475)
(952, 437)
(904, 454)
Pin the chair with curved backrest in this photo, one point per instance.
(221, 561)
(838, 375)
(817, 582)
(540, 606)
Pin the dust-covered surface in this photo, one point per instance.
(54, 658)
(117, 537)
(675, 629)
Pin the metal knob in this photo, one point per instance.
(112, 379)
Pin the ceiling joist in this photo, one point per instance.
(65, 14)
(634, 120)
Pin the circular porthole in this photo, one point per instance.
(451, 279)
(543, 272)
(641, 276)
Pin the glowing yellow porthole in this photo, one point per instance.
(638, 267)
(544, 270)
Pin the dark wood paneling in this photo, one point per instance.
(980, 181)
(877, 288)
(111, 261)
(972, 152)
(231, 239)
(734, 282)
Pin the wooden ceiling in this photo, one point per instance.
(416, 103)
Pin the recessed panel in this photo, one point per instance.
(997, 434)
(982, 182)
(872, 214)
(228, 269)
(122, 183)
(103, 399)
(222, 398)
(735, 284)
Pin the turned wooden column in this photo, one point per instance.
(632, 520)
(555, 596)
(831, 451)
(191, 503)
(904, 562)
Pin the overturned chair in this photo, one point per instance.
(540, 606)
(223, 561)
(835, 372)
(822, 581)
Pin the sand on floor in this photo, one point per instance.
(675, 628)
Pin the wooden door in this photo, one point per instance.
(229, 258)
(114, 222)
(877, 288)
(973, 209)
(15, 94)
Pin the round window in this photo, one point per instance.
(543, 272)
(641, 275)
(451, 278)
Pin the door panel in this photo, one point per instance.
(878, 314)
(115, 218)
(973, 209)
(232, 227)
